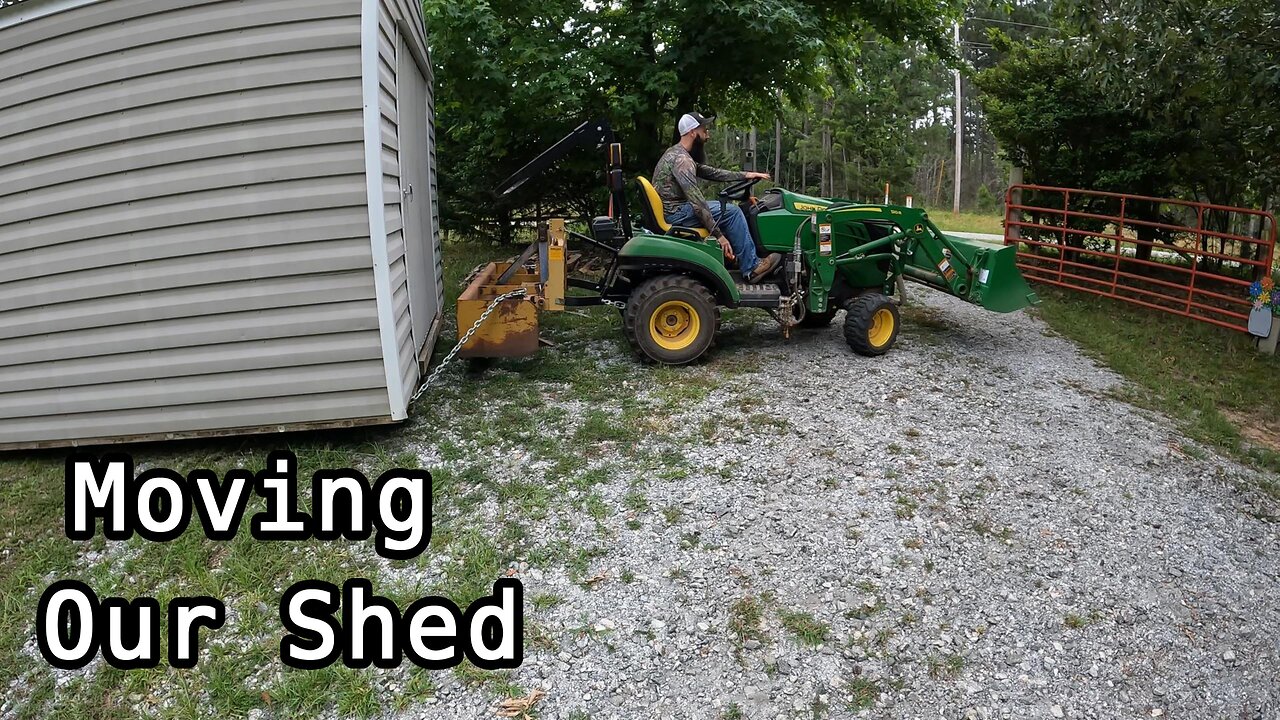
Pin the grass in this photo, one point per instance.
(746, 616)
(863, 694)
(481, 520)
(243, 572)
(906, 507)
(1223, 393)
(805, 627)
(992, 224)
(864, 611)
(1079, 622)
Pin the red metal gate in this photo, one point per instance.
(1188, 258)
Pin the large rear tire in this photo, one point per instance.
(871, 325)
(671, 319)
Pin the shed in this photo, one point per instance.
(216, 217)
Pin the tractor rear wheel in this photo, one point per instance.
(871, 325)
(671, 319)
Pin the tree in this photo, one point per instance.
(1067, 130)
(509, 78)
(1208, 71)
(513, 76)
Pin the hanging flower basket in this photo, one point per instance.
(1266, 304)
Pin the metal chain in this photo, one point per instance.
(435, 374)
(614, 303)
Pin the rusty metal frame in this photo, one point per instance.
(1184, 298)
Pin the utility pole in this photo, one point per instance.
(777, 150)
(955, 202)
(753, 148)
(777, 143)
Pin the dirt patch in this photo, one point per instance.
(1255, 429)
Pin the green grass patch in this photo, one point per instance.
(599, 426)
(905, 507)
(805, 627)
(863, 694)
(1075, 621)
(746, 616)
(948, 221)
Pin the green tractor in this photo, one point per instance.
(670, 282)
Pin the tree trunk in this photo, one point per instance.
(844, 170)
(942, 173)
(651, 133)
(1143, 252)
(828, 171)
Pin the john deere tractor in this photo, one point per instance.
(670, 282)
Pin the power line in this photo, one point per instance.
(1011, 22)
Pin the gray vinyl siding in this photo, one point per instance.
(435, 185)
(389, 114)
(184, 220)
(389, 11)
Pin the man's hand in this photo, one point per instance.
(726, 247)
(756, 176)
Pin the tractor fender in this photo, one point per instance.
(647, 255)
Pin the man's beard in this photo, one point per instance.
(699, 151)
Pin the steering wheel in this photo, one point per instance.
(739, 190)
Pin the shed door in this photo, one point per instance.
(415, 188)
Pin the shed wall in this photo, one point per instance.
(184, 224)
(405, 18)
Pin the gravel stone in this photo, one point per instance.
(984, 529)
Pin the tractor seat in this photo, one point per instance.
(656, 220)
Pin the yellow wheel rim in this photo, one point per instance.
(882, 326)
(674, 325)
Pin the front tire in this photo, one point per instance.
(871, 325)
(671, 319)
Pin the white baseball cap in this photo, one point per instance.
(693, 121)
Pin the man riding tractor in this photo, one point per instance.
(676, 180)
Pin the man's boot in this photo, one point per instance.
(764, 267)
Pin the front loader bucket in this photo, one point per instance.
(997, 284)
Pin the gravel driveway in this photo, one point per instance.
(972, 526)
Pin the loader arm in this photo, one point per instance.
(975, 271)
(595, 134)
(980, 272)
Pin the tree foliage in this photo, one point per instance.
(1066, 130)
(1177, 96)
(1208, 72)
(513, 76)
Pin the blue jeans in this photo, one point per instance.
(734, 227)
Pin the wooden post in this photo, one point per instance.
(1015, 178)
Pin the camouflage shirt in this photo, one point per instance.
(676, 180)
